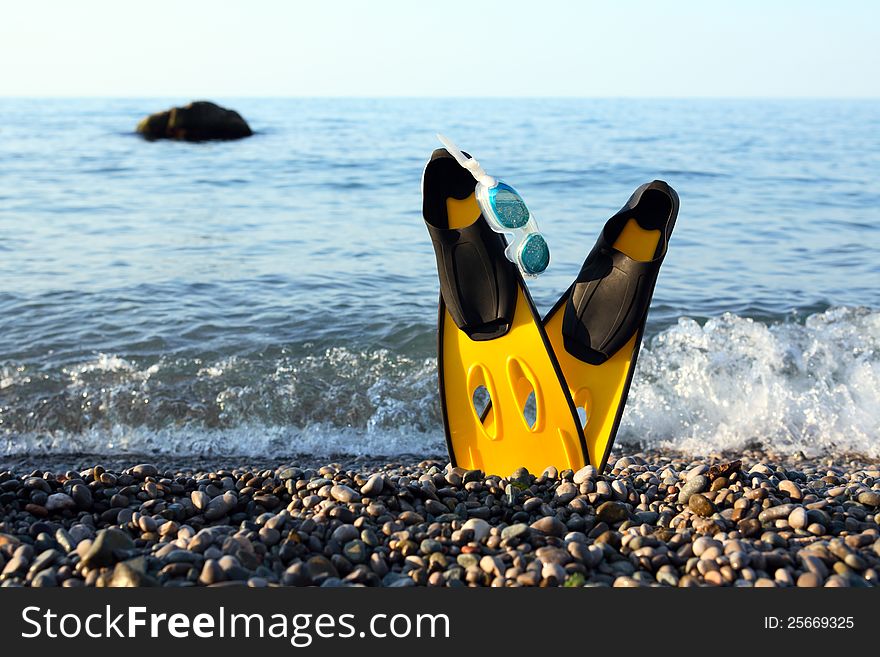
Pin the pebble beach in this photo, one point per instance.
(753, 519)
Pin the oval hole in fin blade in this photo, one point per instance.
(483, 401)
(530, 411)
(583, 402)
(526, 390)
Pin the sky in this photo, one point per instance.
(512, 48)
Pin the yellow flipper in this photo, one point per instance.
(599, 389)
(596, 328)
(510, 368)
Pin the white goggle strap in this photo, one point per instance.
(470, 164)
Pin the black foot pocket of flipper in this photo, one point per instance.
(609, 300)
(477, 281)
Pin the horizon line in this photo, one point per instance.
(4, 96)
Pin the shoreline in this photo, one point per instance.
(652, 519)
(195, 463)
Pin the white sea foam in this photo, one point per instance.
(728, 383)
(809, 387)
(257, 440)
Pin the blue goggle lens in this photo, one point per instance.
(534, 254)
(509, 207)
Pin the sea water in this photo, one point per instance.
(277, 295)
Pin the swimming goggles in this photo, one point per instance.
(506, 213)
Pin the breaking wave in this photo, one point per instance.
(731, 382)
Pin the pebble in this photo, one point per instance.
(219, 506)
(791, 489)
(60, 502)
(345, 533)
(479, 527)
(703, 544)
(44, 560)
(651, 520)
(131, 573)
(81, 494)
(355, 551)
(696, 484)
(211, 573)
(45, 578)
(798, 518)
(566, 492)
(514, 531)
(584, 474)
(344, 494)
(813, 564)
(200, 499)
(836, 581)
(147, 524)
(749, 527)
(701, 505)
(776, 512)
(612, 512)
(103, 550)
(869, 498)
(554, 571)
(532, 504)
(619, 489)
(549, 525)
(144, 470)
(374, 485)
(809, 580)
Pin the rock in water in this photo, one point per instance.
(199, 121)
